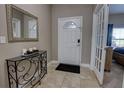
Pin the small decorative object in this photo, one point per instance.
(30, 49)
(34, 48)
(24, 51)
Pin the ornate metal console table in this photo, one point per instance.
(27, 71)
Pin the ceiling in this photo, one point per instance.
(116, 9)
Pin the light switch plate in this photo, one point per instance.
(2, 39)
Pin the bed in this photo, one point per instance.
(118, 55)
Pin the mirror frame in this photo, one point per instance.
(9, 8)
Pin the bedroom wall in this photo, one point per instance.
(69, 11)
(116, 19)
(8, 50)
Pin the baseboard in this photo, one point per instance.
(52, 61)
(82, 65)
(85, 65)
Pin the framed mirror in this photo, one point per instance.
(21, 25)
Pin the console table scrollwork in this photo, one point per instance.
(27, 71)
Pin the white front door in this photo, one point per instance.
(100, 23)
(69, 40)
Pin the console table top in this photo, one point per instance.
(23, 57)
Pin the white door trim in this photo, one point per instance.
(93, 42)
(81, 29)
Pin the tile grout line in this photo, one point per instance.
(63, 80)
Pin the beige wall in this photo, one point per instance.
(69, 11)
(8, 50)
(46, 40)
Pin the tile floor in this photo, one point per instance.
(114, 78)
(60, 79)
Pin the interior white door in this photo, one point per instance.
(100, 30)
(69, 40)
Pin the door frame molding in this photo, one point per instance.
(81, 30)
(93, 42)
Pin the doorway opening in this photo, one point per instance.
(114, 67)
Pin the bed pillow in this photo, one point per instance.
(119, 50)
